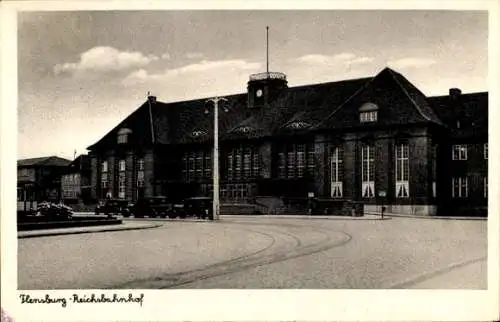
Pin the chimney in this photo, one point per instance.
(455, 93)
(152, 99)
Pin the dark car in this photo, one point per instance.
(111, 207)
(151, 207)
(200, 207)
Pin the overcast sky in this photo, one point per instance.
(81, 73)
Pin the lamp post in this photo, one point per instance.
(216, 205)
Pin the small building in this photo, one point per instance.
(39, 179)
(75, 181)
(378, 140)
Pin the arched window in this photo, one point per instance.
(368, 112)
(123, 135)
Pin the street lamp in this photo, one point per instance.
(216, 205)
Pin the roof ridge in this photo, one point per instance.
(428, 118)
(345, 102)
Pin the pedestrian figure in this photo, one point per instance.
(382, 212)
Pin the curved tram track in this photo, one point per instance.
(284, 245)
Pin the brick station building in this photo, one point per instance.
(378, 139)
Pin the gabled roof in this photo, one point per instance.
(316, 106)
(405, 102)
(50, 161)
(417, 97)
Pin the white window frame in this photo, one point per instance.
(335, 173)
(368, 186)
(402, 152)
(459, 152)
(369, 116)
(122, 136)
(462, 184)
(104, 166)
(121, 165)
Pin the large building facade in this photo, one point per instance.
(378, 140)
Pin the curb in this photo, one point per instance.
(104, 230)
(429, 217)
(333, 217)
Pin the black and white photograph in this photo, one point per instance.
(253, 149)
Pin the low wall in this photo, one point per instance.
(333, 207)
(66, 224)
(414, 210)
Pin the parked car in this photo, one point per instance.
(200, 207)
(152, 207)
(111, 207)
(53, 211)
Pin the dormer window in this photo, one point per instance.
(298, 125)
(244, 129)
(198, 133)
(368, 113)
(123, 136)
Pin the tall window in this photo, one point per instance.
(368, 171)
(434, 168)
(485, 149)
(230, 165)
(121, 179)
(238, 160)
(459, 152)
(301, 160)
(291, 165)
(104, 176)
(459, 187)
(402, 171)
(140, 173)
(199, 164)
(255, 163)
(247, 162)
(336, 172)
(208, 165)
(281, 165)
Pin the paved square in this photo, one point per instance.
(264, 252)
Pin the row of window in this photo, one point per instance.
(197, 165)
(296, 161)
(460, 187)
(243, 163)
(459, 151)
(368, 171)
(122, 167)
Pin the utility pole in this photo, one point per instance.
(216, 204)
(267, 51)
